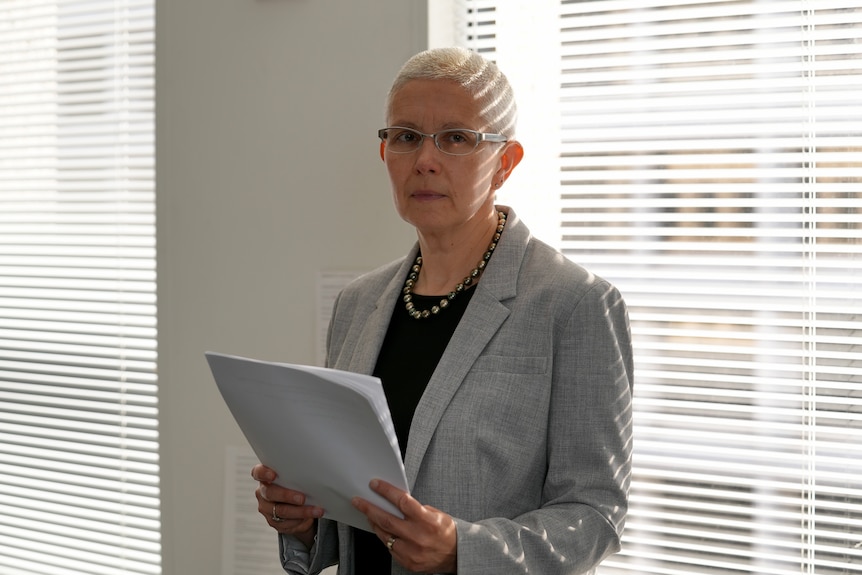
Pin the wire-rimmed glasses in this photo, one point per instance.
(455, 142)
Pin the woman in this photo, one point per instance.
(507, 368)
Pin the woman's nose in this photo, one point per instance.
(428, 155)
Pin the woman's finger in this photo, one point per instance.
(401, 499)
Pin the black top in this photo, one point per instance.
(409, 355)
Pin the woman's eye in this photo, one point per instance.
(456, 137)
(405, 136)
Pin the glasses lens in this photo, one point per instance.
(457, 142)
(401, 140)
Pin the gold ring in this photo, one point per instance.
(275, 516)
(390, 543)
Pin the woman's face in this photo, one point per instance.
(433, 191)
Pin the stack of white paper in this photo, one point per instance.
(326, 432)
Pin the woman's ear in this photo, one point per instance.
(511, 157)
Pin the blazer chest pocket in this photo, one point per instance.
(507, 395)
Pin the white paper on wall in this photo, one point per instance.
(249, 544)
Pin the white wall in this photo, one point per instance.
(267, 173)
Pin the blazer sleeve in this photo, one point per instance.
(585, 486)
(297, 560)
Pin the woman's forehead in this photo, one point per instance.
(436, 101)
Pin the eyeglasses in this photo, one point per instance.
(458, 142)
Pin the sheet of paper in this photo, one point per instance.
(326, 432)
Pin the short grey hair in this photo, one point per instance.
(480, 77)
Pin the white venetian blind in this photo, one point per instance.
(79, 488)
(710, 165)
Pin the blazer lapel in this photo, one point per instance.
(367, 346)
(482, 319)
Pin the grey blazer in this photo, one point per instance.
(524, 432)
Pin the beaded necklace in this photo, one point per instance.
(465, 283)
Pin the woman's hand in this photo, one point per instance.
(285, 509)
(425, 540)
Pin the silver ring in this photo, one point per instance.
(390, 543)
(275, 516)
